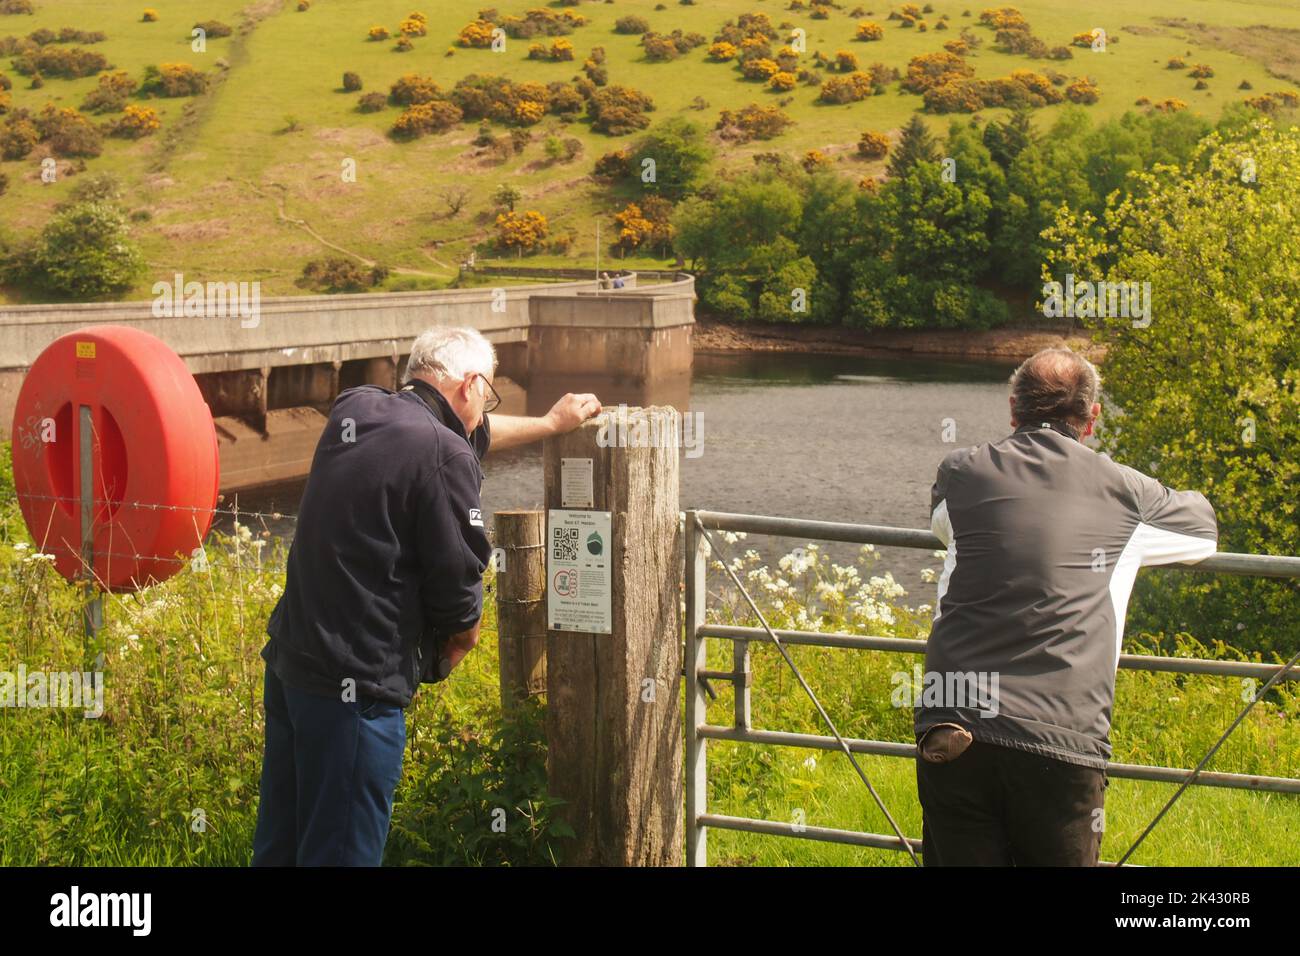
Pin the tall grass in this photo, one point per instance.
(169, 774)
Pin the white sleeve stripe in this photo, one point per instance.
(1149, 546)
(941, 525)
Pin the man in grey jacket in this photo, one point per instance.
(1044, 537)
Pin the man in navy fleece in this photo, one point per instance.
(383, 591)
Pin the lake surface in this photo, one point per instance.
(829, 437)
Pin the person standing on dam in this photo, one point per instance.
(383, 592)
(1045, 537)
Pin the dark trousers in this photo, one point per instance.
(997, 806)
(328, 775)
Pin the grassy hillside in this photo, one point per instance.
(227, 190)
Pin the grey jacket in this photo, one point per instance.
(1045, 537)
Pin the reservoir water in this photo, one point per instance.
(829, 437)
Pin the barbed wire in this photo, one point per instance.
(158, 506)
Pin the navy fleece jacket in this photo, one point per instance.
(389, 549)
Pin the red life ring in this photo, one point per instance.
(154, 455)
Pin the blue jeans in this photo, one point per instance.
(328, 776)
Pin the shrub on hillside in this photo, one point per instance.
(476, 34)
(613, 166)
(847, 89)
(662, 47)
(493, 97)
(149, 16)
(69, 63)
(1083, 90)
(111, 94)
(631, 25)
(412, 89)
(415, 25)
(935, 69)
(867, 30)
(371, 102)
(66, 35)
(340, 274)
(214, 29)
(424, 118)
(759, 68)
(873, 145)
(522, 231)
(173, 79)
(18, 137)
(618, 110)
(752, 122)
(541, 22)
(137, 122)
(783, 82)
(351, 82)
(69, 133)
(17, 7)
(559, 50)
(564, 99)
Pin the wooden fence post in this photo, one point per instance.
(614, 726)
(521, 604)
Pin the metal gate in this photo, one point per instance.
(698, 732)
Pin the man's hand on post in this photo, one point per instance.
(510, 431)
(571, 411)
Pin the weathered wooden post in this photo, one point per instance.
(521, 604)
(613, 648)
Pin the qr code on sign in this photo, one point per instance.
(564, 544)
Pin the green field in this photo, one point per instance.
(225, 192)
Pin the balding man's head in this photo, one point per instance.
(1055, 385)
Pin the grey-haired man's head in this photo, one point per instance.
(1056, 385)
(454, 360)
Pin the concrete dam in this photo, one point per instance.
(269, 383)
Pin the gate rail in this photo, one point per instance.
(698, 673)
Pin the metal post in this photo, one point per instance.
(696, 659)
(92, 616)
(741, 682)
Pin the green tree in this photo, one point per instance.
(1006, 140)
(1207, 394)
(84, 252)
(680, 155)
(917, 145)
(506, 195)
(722, 233)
